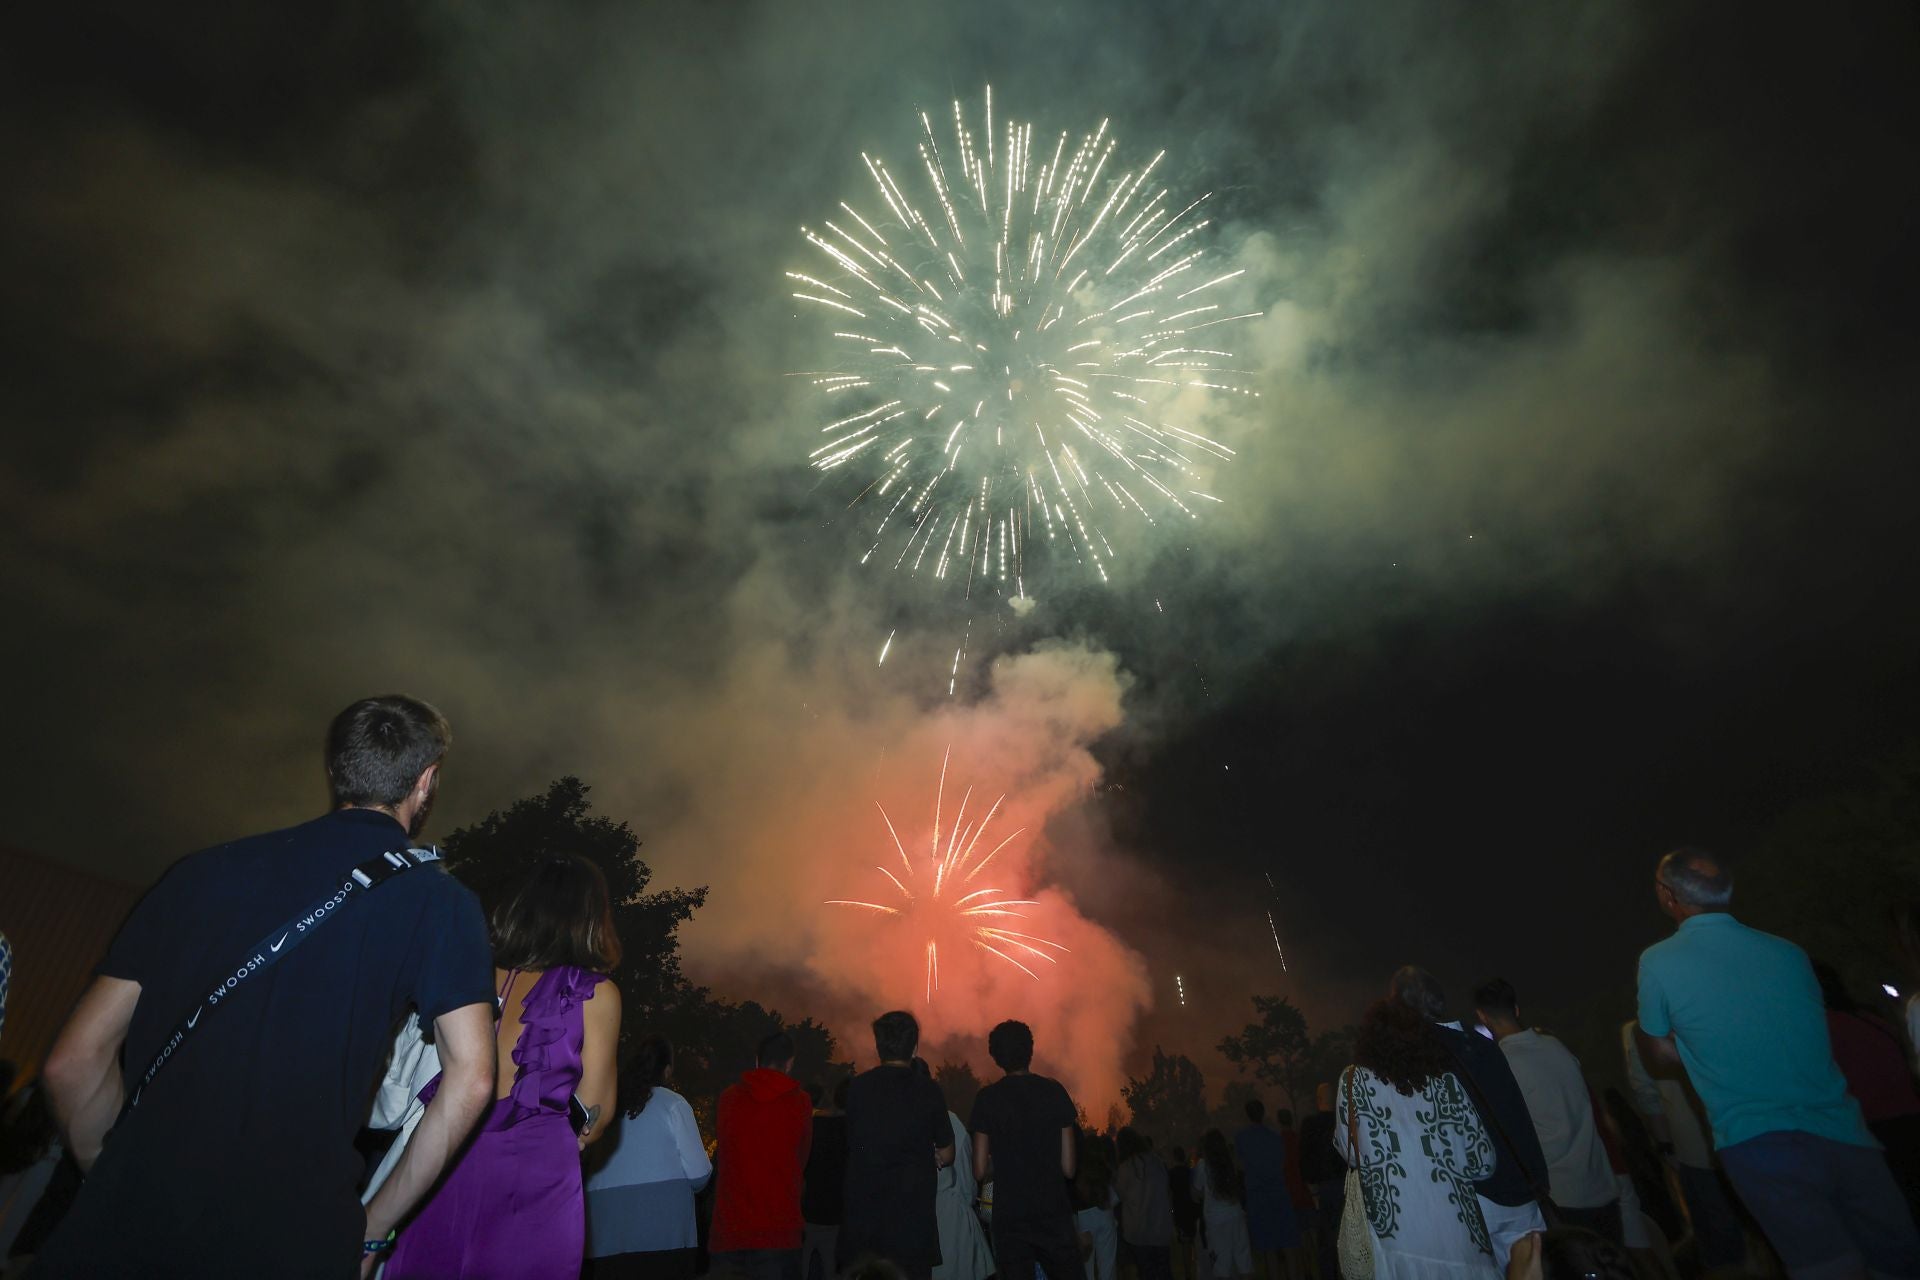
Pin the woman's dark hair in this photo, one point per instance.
(1222, 1178)
(1131, 1143)
(646, 1071)
(1574, 1253)
(560, 914)
(1400, 1046)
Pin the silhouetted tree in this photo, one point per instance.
(1275, 1048)
(493, 854)
(960, 1086)
(1231, 1114)
(1332, 1051)
(1170, 1101)
(714, 1040)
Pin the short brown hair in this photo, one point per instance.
(378, 748)
(560, 914)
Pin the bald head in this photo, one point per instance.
(1694, 881)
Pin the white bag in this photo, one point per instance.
(396, 1104)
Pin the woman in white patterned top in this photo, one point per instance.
(1404, 1121)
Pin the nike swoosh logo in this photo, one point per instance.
(196, 1016)
(276, 946)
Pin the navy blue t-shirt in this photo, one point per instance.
(239, 1159)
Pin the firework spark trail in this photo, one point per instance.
(1010, 331)
(1273, 928)
(930, 893)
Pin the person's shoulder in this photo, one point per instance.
(1463, 1046)
(240, 854)
(1661, 952)
(434, 890)
(600, 997)
(1760, 939)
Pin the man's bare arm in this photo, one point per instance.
(982, 1158)
(1656, 1050)
(1069, 1151)
(83, 1069)
(464, 1037)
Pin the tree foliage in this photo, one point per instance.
(959, 1085)
(1231, 1114)
(1275, 1047)
(493, 854)
(714, 1040)
(1170, 1102)
(1825, 873)
(1331, 1053)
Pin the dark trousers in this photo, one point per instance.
(1052, 1246)
(1151, 1261)
(1717, 1232)
(757, 1264)
(655, 1264)
(818, 1244)
(1824, 1205)
(1602, 1220)
(1332, 1199)
(1901, 1137)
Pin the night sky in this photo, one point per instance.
(439, 348)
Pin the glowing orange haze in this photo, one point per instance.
(788, 813)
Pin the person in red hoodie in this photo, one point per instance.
(764, 1128)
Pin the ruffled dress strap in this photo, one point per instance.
(547, 1054)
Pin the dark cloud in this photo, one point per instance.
(442, 349)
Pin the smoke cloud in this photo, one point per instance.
(788, 816)
(445, 350)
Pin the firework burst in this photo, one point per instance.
(1013, 328)
(936, 892)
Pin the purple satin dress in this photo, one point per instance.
(512, 1207)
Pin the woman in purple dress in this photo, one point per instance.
(513, 1206)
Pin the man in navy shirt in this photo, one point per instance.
(238, 1158)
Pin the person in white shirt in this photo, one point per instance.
(642, 1180)
(1579, 1176)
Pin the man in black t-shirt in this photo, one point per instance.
(898, 1139)
(238, 1159)
(1024, 1140)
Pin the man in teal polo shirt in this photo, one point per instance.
(1742, 1011)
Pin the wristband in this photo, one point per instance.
(370, 1247)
